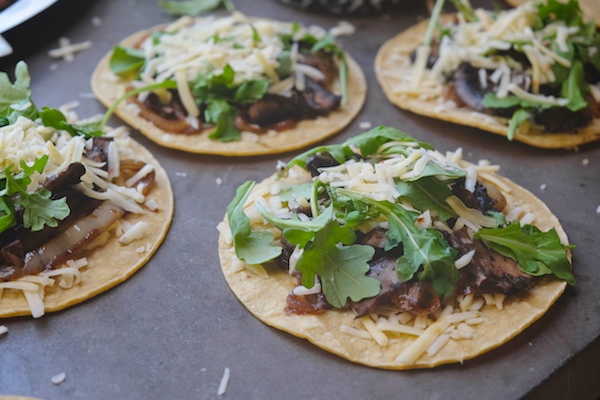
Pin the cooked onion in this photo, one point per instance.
(469, 213)
(62, 247)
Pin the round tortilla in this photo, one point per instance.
(266, 299)
(108, 88)
(393, 63)
(590, 8)
(112, 263)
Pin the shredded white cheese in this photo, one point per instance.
(224, 382)
(67, 50)
(207, 45)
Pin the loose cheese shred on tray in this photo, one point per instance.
(59, 378)
(67, 50)
(3, 330)
(224, 382)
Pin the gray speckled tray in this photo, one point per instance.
(170, 330)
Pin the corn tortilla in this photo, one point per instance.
(112, 263)
(393, 63)
(108, 88)
(266, 299)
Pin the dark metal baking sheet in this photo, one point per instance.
(170, 330)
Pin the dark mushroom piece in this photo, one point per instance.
(488, 271)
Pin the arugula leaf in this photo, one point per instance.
(490, 100)
(355, 212)
(210, 86)
(292, 192)
(428, 194)
(251, 247)
(368, 143)
(341, 265)
(125, 60)
(54, 118)
(537, 253)
(295, 231)
(221, 95)
(328, 43)
(15, 99)
(560, 71)
(574, 87)
(250, 91)
(192, 7)
(518, 116)
(38, 208)
(255, 35)
(222, 114)
(424, 248)
(555, 10)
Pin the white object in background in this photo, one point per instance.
(16, 14)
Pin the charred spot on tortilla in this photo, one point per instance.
(531, 73)
(83, 206)
(232, 85)
(392, 254)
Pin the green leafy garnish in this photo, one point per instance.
(220, 113)
(428, 194)
(15, 99)
(251, 247)
(367, 143)
(423, 248)
(574, 87)
(490, 100)
(371, 144)
(56, 119)
(465, 9)
(168, 84)
(295, 231)
(341, 265)
(517, 118)
(194, 7)
(7, 214)
(223, 97)
(126, 61)
(328, 43)
(552, 10)
(39, 209)
(537, 253)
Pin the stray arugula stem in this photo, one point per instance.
(113, 107)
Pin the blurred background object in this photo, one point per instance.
(345, 7)
(27, 25)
